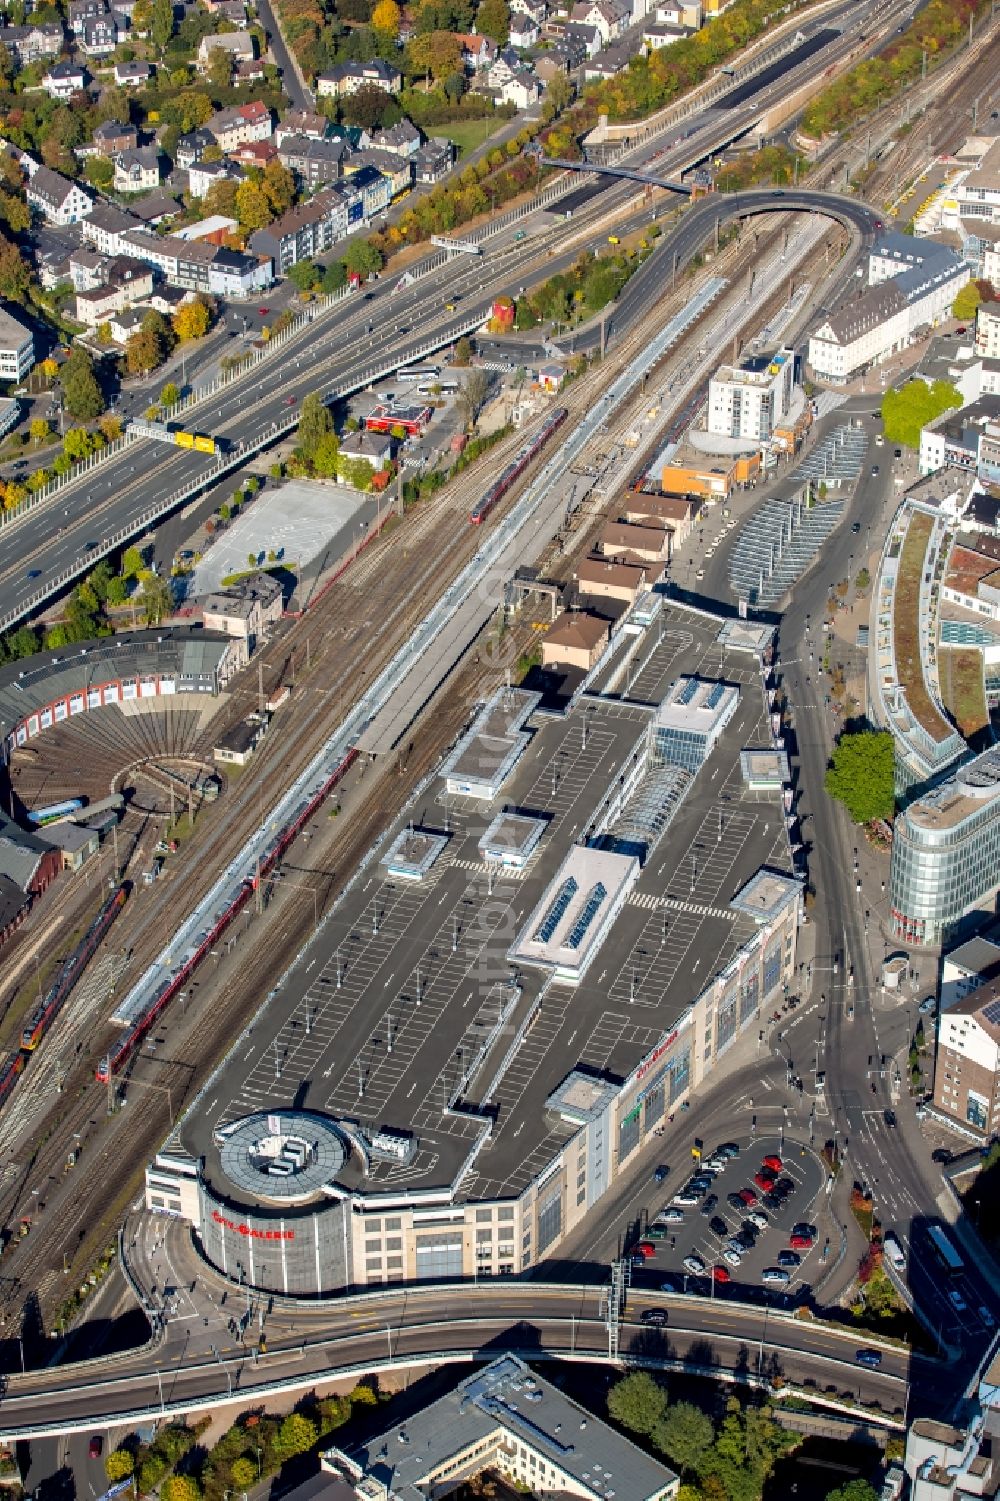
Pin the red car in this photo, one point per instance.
(800, 1242)
(646, 1248)
(747, 1195)
(774, 1163)
(95, 1447)
(721, 1274)
(263, 311)
(764, 1180)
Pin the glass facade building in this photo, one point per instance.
(946, 854)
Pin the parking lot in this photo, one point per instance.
(699, 1233)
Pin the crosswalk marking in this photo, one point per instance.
(650, 903)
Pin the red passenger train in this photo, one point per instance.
(517, 466)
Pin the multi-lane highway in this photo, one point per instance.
(384, 328)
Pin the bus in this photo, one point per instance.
(438, 388)
(945, 1251)
(418, 372)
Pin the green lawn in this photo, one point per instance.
(468, 134)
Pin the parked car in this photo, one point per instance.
(656, 1232)
(720, 1274)
(646, 1248)
(693, 1264)
(774, 1276)
(941, 1154)
(732, 1257)
(927, 1005)
(800, 1242)
(747, 1196)
(763, 1181)
(789, 1258)
(728, 1150)
(671, 1215)
(758, 1220)
(774, 1163)
(735, 1201)
(718, 1226)
(772, 1202)
(686, 1199)
(802, 1227)
(708, 1205)
(785, 1186)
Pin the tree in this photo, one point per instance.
(854, 1490)
(161, 29)
(493, 20)
(369, 108)
(906, 411)
(385, 18)
(244, 1473)
(315, 422)
(334, 277)
(170, 395)
(142, 352)
(279, 187)
(158, 601)
(966, 302)
(132, 562)
(362, 258)
(81, 393)
(463, 352)
(684, 1434)
(296, 1434)
(637, 1402)
(325, 456)
(558, 96)
(77, 444)
(221, 198)
(15, 278)
(472, 395)
(220, 68)
(100, 174)
(860, 775)
(303, 275)
(252, 207)
(437, 54)
(39, 431)
(191, 320)
(119, 1465)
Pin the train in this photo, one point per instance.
(131, 1038)
(55, 811)
(528, 451)
(70, 971)
(45, 1013)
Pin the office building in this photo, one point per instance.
(960, 1460)
(967, 1060)
(17, 348)
(946, 854)
(750, 403)
(911, 286)
(507, 1419)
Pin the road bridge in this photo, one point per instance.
(425, 1325)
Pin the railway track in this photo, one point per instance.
(187, 1043)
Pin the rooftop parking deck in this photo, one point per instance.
(408, 1011)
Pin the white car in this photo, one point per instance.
(670, 1216)
(957, 1301)
(733, 1258)
(758, 1219)
(686, 1200)
(773, 1276)
(694, 1265)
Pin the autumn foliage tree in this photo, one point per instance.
(191, 320)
